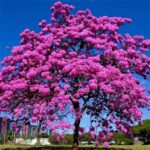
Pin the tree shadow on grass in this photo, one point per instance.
(64, 148)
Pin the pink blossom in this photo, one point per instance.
(96, 143)
(44, 91)
(146, 43)
(34, 119)
(106, 144)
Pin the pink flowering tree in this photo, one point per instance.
(77, 64)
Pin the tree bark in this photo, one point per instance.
(38, 134)
(76, 135)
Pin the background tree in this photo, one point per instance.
(143, 131)
(121, 138)
(76, 64)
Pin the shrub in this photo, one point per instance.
(43, 135)
(1, 139)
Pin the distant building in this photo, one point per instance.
(5, 125)
(28, 129)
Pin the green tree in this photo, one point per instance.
(143, 131)
(120, 138)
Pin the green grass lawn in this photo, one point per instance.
(11, 146)
(132, 147)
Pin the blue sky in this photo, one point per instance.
(16, 15)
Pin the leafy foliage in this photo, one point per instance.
(143, 131)
(43, 135)
(121, 138)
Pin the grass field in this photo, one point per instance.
(132, 147)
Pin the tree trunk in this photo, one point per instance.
(76, 135)
(38, 134)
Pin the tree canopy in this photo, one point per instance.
(76, 64)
